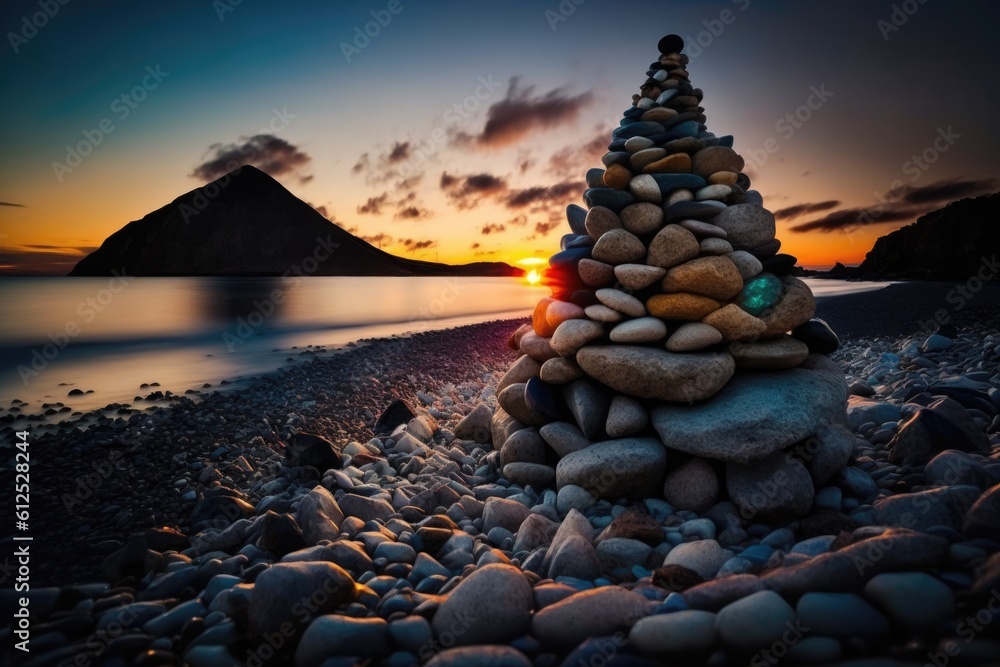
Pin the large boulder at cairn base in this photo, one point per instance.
(627, 468)
(756, 414)
(646, 372)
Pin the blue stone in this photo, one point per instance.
(687, 129)
(667, 95)
(616, 200)
(544, 399)
(625, 122)
(633, 112)
(670, 182)
(567, 260)
(696, 210)
(674, 602)
(432, 584)
(595, 178)
(569, 241)
(641, 129)
(757, 554)
(577, 216)
(760, 293)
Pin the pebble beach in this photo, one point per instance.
(353, 510)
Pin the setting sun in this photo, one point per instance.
(533, 277)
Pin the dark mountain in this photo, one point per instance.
(246, 223)
(952, 243)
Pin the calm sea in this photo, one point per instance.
(110, 336)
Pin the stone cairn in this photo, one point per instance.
(677, 353)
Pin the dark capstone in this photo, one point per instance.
(567, 260)
(825, 522)
(616, 200)
(397, 413)
(576, 216)
(818, 335)
(676, 578)
(641, 129)
(584, 298)
(671, 44)
(544, 399)
(670, 182)
(309, 449)
(684, 210)
(780, 265)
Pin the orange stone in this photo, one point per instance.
(678, 163)
(618, 177)
(681, 306)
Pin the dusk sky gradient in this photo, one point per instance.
(498, 177)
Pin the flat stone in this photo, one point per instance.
(919, 510)
(703, 556)
(364, 508)
(735, 323)
(601, 313)
(600, 220)
(537, 347)
(912, 599)
(335, 635)
(714, 277)
(755, 622)
(485, 616)
(796, 307)
(688, 631)
(561, 311)
(642, 218)
(560, 371)
(717, 192)
(755, 414)
(747, 224)
(639, 330)
(622, 302)
(777, 353)
(693, 336)
(657, 374)
(748, 265)
(841, 615)
(594, 613)
(716, 594)
(616, 157)
(638, 276)
(702, 210)
(615, 200)
(564, 438)
(659, 115)
(536, 475)
(525, 445)
(644, 157)
(626, 417)
(714, 159)
(718, 247)
(678, 163)
(693, 486)
(571, 335)
(681, 306)
(619, 247)
(672, 246)
(595, 274)
(616, 176)
(479, 656)
(671, 182)
(636, 144)
(724, 178)
(621, 552)
(625, 468)
(645, 188)
(776, 486)
(703, 229)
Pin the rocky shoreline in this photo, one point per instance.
(411, 548)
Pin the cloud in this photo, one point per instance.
(272, 155)
(543, 195)
(546, 228)
(520, 113)
(466, 192)
(413, 245)
(492, 228)
(400, 151)
(802, 209)
(380, 239)
(374, 205)
(412, 213)
(362, 164)
(575, 159)
(484, 253)
(908, 205)
(474, 246)
(7, 203)
(519, 220)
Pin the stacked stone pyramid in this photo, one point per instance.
(677, 354)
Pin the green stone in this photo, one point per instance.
(759, 294)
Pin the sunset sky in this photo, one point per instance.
(462, 129)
